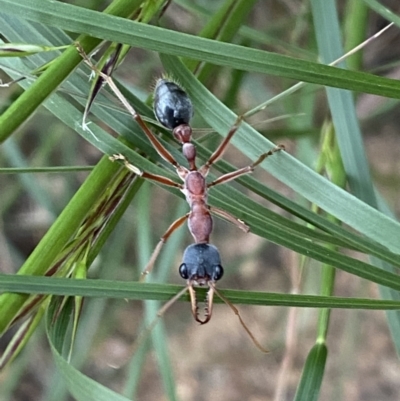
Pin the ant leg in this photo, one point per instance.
(232, 219)
(158, 146)
(218, 153)
(143, 335)
(150, 176)
(245, 170)
(176, 224)
(237, 313)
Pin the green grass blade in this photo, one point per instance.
(163, 292)
(355, 31)
(348, 131)
(383, 11)
(311, 377)
(342, 106)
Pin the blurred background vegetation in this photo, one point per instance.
(215, 361)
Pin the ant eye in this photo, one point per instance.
(183, 271)
(218, 273)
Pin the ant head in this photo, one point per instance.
(201, 264)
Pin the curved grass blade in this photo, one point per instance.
(80, 386)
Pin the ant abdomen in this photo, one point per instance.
(172, 105)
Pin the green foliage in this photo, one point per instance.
(326, 222)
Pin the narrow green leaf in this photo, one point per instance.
(313, 372)
(383, 11)
(356, 24)
(348, 131)
(23, 50)
(163, 292)
(342, 106)
(21, 337)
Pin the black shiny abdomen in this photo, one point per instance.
(172, 105)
